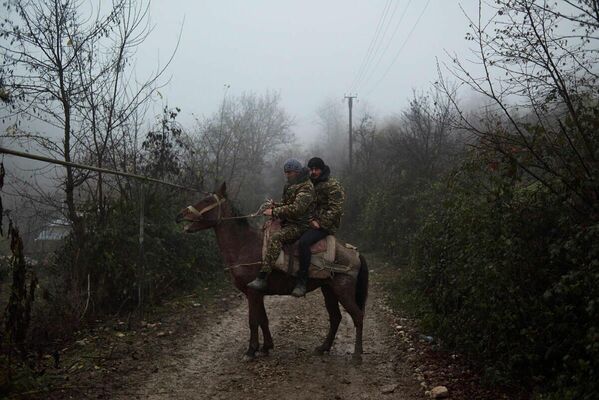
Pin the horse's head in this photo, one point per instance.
(204, 214)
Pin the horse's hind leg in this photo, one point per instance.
(330, 300)
(347, 299)
(268, 344)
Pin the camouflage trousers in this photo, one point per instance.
(287, 235)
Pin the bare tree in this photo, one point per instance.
(41, 44)
(236, 143)
(422, 140)
(539, 72)
(66, 68)
(70, 70)
(111, 97)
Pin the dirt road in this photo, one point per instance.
(211, 366)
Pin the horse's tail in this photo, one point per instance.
(362, 284)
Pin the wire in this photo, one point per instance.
(384, 34)
(371, 46)
(388, 43)
(400, 49)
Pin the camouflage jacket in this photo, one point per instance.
(329, 201)
(297, 203)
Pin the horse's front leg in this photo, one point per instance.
(330, 300)
(268, 344)
(254, 300)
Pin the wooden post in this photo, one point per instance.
(142, 257)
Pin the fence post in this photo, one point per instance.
(142, 259)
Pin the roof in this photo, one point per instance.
(58, 229)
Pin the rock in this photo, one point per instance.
(439, 392)
(389, 388)
(426, 338)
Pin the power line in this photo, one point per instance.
(368, 78)
(373, 41)
(384, 34)
(400, 49)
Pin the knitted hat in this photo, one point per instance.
(292, 165)
(316, 162)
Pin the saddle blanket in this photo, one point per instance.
(328, 256)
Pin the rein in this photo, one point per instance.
(242, 265)
(216, 204)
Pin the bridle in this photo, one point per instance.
(218, 201)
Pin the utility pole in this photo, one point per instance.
(350, 103)
(220, 138)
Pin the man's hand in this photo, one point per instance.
(314, 224)
(267, 212)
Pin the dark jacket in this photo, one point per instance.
(329, 201)
(298, 201)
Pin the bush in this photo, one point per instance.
(171, 260)
(509, 276)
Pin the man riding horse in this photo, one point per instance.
(303, 219)
(240, 246)
(325, 219)
(294, 211)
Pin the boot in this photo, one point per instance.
(259, 283)
(300, 287)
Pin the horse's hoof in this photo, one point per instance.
(320, 350)
(250, 355)
(266, 350)
(357, 358)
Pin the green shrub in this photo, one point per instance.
(509, 276)
(171, 260)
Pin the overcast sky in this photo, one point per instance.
(308, 50)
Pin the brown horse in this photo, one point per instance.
(241, 249)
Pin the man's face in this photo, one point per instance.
(315, 173)
(291, 175)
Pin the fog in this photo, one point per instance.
(312, 52)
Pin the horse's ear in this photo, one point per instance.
(222, 190)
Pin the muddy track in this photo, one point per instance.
(210, 365)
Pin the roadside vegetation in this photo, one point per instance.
(492, 211)
(483, 189)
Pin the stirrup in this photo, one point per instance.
(299, 290)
